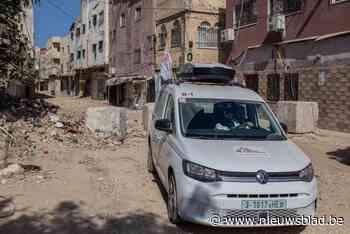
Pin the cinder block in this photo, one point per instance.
(300, 117)
(107, 121)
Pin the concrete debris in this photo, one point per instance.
(59, 125)
(13, 169)
(107, 121)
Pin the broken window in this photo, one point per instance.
(273, 87)
(291, 87)
(247, 13)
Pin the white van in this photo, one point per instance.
(223, 157)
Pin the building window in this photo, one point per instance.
(273, 87)
(100, 46)
(137, 56)
(246, 15)
(78, 55)
(252, 82)
(207, 37)
(94, 20)
(176, 34)
(56, 61)
(72, 36)
(77, 34)
(122, 20)
(162, 38)
(72, 57)
(291, 87)
(84, 29)
(101, 18)
(94, 50)
(83, 54)
(150, 42)
(56, 46)
(285, 6)
(138, 13)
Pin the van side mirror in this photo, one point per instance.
(285, 127)
(164, 125)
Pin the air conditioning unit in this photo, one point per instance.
(277, 23)
(228, 35)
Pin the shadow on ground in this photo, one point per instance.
(341, 155)
(68, 218)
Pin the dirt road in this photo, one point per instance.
(100, 190)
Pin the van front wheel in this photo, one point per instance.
(173, 212)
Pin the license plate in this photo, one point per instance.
(263, 204)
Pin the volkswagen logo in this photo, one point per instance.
(262, 177)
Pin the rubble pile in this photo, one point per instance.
(13, 109)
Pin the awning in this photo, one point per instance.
(125, 79)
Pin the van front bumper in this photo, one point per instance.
(214, 203)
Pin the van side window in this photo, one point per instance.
(170, 110)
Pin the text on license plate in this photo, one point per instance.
(263, 204)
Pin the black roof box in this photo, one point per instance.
(212, 73)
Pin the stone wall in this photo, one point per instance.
(332, 95)
(327, 84)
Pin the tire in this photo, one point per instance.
(173, 212)
(150, 164)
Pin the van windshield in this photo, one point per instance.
(227, 119)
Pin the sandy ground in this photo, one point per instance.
(92, 190)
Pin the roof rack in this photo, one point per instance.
(217, 74)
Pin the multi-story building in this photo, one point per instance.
(294, 50)
(189, 30)
(53, 64)
(26, 27)
(42, 61)
(90, 47)
(132, 53)
(69, 85)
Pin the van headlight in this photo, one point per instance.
(307, 174)
(198, 172)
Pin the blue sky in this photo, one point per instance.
(53, 18)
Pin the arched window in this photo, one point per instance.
(207, 37)
(162, 37)
(176, 34)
